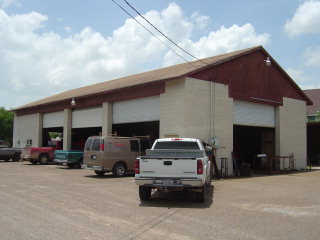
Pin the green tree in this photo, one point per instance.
(6, 125)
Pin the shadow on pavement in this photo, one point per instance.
(108, 175)
(178, 199)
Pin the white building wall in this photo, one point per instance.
(291, 131)
(197, 109)
(26, 128)
(223, 122)
(185, 112)
(172, 109)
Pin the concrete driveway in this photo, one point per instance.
(53, 202)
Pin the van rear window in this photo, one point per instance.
(176, 145)
(88, 144)
(96, 144)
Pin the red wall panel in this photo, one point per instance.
(250, 79)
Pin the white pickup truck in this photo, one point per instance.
(174, 163)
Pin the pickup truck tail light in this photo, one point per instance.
(199, 166)
(137, 166)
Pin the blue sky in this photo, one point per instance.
(50, 46)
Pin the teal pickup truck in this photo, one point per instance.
(72, 159)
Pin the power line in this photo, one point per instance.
(152, 33)
(162, 32)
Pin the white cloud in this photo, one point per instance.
(312, 56)
(35, 64)
(301, 79)
(200, 21)
(221, 41)
(7, 3)
(305, 20)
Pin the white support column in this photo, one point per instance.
(67, 128)
(39, 120)
(278, 132)
(107, 118)
(291, 131)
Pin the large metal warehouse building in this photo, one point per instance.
(249, 105)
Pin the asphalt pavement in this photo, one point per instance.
(54, 202)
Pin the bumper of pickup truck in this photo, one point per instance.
(59, 161)
(95, 168)
(154, 182)
(26, 157)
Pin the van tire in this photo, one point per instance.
(43, 159)
(144, 193)
(119, 169)
(100, 173)
(33, 161)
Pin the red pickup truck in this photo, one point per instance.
(41, 155)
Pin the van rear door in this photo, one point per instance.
(93, 153)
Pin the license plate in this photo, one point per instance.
(64, 164)
(167, 181)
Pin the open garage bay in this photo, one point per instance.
(52, 202)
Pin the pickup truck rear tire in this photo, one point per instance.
(34, 162)
(201, 196)
(43, 159)
(100, 173)
(144, 193)
(78, 165)
(71, 165)
(119, 169)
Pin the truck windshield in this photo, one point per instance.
(176, 145)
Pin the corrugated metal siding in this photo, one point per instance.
(248, 76)
(91, 117)
(54, 119)
(253, 114)
(137, 110)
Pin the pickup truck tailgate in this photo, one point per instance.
(173, 168)
(170, 163)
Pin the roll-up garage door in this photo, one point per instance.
(51, 120)
(137, 110)
(253, 114)
(90, 117)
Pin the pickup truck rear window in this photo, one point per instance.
(176, 145)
